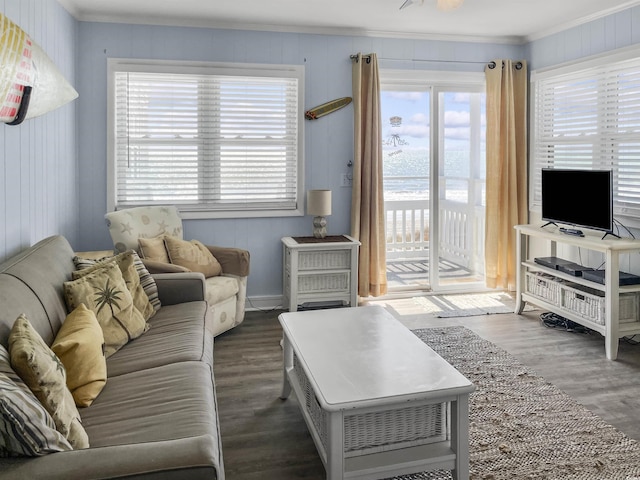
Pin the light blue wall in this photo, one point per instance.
(597, 37)
(328, 141)
(38, 185)
(53, 168)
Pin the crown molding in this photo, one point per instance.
(298, 29)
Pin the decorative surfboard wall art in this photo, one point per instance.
(30, 83)
(327, 108)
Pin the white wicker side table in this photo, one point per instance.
(319, 270)
(378, 402)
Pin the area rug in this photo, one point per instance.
(521, 426)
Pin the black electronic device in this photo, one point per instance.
(625, 278)
(551, 262)
(579, 198)
(574, 269)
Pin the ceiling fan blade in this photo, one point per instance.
(406, 4)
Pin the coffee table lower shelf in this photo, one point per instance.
(376, 443)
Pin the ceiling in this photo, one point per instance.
(509, 21)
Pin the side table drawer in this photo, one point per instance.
(324, 260)
(334, 282)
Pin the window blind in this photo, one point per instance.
(206, 142)
(589, 118)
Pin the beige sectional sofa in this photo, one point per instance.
(157, 416)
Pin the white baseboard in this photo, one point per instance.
(263, 303)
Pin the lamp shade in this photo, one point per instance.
(319, 202)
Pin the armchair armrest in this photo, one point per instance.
(234, 261)
(174, 288)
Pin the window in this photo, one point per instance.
(587, 115)
(217, 140)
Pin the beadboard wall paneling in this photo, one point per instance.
(618, 30)
(328, 141)
(38, 161)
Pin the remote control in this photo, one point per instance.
(572, 231)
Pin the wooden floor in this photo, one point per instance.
(264, 437)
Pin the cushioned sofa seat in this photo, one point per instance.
(163, 403)
(177, 334)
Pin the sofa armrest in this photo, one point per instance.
(154, 266)
(174, 288)
(234, 261)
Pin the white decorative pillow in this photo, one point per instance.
(26, 428)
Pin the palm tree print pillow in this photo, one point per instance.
(105, 293)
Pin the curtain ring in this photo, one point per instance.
(518, 66)
(492, 65)
(368, 59)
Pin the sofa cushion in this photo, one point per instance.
(153, 405)
(178, 333)
(42, 270)
(80, 347)
(126, 264)
(192, 255)
(104, 292)
(26, 428)
(220, 288)
(45, 376)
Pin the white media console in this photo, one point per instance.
(610, 309)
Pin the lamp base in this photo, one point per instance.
(319, 227)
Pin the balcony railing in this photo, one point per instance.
(461, 229)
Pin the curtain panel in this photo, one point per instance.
(367, 201)
(506, 197)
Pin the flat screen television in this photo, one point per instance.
(580, 198)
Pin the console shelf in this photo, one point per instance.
(611, 328)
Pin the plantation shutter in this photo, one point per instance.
(206, 142)
(589, 118)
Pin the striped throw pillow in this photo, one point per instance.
(26, 428)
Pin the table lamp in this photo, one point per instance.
(319, 204)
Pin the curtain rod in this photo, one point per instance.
(491, 65)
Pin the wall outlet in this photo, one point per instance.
(346, 180)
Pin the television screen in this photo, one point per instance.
(582, 198)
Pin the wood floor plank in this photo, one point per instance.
(264, 437)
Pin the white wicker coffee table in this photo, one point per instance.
(378, 401)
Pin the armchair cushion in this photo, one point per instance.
(154, 249)
(192, 255)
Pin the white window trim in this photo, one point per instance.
(166, 66)
(568, 69)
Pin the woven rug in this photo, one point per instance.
(522, 427)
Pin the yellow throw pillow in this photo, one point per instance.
(104, 292)
(127, 266)
(45, 375)
(79, 346)
(153, 249)
(192, 255)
